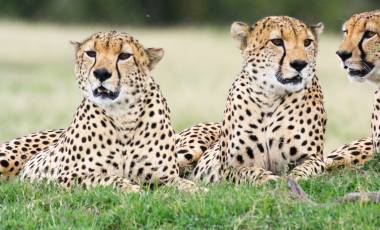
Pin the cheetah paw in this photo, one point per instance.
(191, 187)
(130, 188)
(269, 178)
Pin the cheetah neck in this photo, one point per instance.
(265, 99)
(130, 107)
(375, 121)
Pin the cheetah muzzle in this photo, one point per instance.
(104, 93)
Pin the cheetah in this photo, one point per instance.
(121, 134)
(360, 55)
(274, 121)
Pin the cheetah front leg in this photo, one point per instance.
(309, 167)
(250, 175)
(185, 185)
(93, 180)
(213, 168)
(15, 153)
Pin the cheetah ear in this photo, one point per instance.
(155, 55)
(75, 44)
(240, 32)
(317, 29)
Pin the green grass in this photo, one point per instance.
(38, 91)
(225, 206)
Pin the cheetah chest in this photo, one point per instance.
(278, 137)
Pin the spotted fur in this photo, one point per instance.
(15, 153)
(191, 143)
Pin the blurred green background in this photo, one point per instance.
(174, 12)
(38, 89)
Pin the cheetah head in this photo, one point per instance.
(279, 52)
(112, 68)
(359, 50)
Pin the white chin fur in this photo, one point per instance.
(356, 79)
(294, 88)
(103, 102)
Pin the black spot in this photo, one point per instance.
(275, 128)
(260, 147)
(182, 151)
(4, 163)
(293, 151)
(253, 137)
(188, 156)
(355, 153)
(239, 158)
(250, 152)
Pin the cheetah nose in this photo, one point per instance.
(102, 74)
(343, 54)
(298, 65)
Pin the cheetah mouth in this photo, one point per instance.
(357, 72)
(289, 81)
(367, 68)
(104, 93)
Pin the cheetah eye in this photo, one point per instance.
(124, 56)
(345, 32)
(307, 42)
(91, 53)
(277, 42)
(369, 34)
